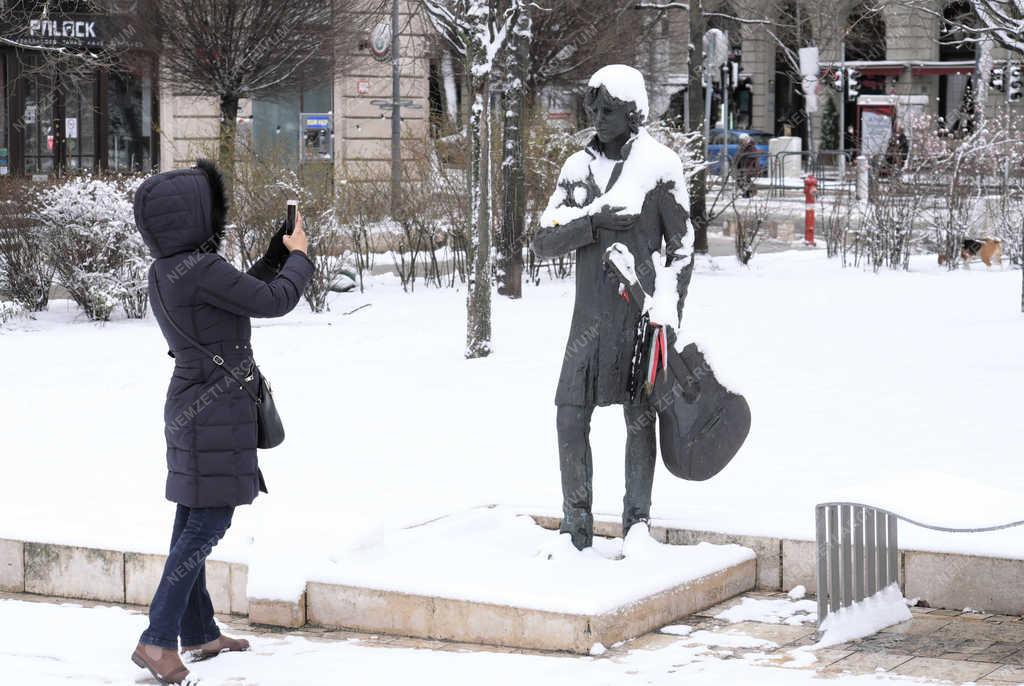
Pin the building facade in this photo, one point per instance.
(63, 114)
(909, 57)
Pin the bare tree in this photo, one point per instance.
(234, 49)
(513, 179)
(477, 30)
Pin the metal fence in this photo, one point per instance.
(858, 551)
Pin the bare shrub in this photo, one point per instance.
(26, 273)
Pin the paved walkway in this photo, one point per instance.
(935, 644)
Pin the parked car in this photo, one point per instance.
(761, 139)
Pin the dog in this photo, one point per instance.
(988, 250)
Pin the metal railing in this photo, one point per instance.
(858, 551)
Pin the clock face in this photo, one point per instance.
(380, 40)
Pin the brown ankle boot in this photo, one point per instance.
(163, 663)
(221, 644)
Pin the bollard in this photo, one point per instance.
(810, 191)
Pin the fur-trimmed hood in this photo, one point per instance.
(182, 210)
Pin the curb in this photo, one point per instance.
(942, 580)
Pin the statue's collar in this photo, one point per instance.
(594, 146)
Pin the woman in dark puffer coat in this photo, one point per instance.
(209, 419)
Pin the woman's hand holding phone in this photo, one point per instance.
(297, 240)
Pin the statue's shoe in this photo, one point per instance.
(221, 644)
(639, 543)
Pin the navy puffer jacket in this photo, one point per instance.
(209, 421)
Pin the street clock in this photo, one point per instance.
(380, 41)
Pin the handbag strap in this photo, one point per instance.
(217, 359)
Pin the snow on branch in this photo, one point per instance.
(662, 6)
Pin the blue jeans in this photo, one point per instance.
(181, 605)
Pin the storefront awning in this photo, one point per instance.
(897, 67)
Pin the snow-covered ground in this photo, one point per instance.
(898, 389)
(496, 556)
(48, 645)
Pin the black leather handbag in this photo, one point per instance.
(270, 427)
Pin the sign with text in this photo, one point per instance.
(316, 133)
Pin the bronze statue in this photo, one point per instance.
(624, 188)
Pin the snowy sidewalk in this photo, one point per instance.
(757, 639)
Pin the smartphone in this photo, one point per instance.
(293, 206)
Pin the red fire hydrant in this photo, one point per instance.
(810, 192)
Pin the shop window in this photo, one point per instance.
(37, 122)
(129, 109)
(80, 126)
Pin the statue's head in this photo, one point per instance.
(616, 101)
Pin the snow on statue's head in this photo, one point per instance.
(622, 86)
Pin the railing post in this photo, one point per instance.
(833, 558)
(821, 554)
(845, 556)
(858, 553)
(869, 548)
(894, 552)
(883, 555)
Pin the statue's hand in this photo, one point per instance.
(610, 219)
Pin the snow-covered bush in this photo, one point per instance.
(91, 240)
(26, 273)
(9, 310)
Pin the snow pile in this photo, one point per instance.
(718, 639)
(771, 611)
(494, 555)
(622, 83)
(677, 629)
(869, 616)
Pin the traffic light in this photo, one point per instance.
(837, 80)
(997, 79)
(852, 84)
(1014, 85)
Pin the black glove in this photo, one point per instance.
(276, 253)
(610, 219)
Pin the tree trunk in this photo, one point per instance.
(513, 219)
(695, 94)
(228, 134)
(478, 298)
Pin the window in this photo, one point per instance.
(275, 118)
(37, 123)
(129, 107)
(80, 125)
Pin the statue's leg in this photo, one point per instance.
(577, 465)
(641, 454)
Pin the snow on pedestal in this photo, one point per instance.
(494, 576)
